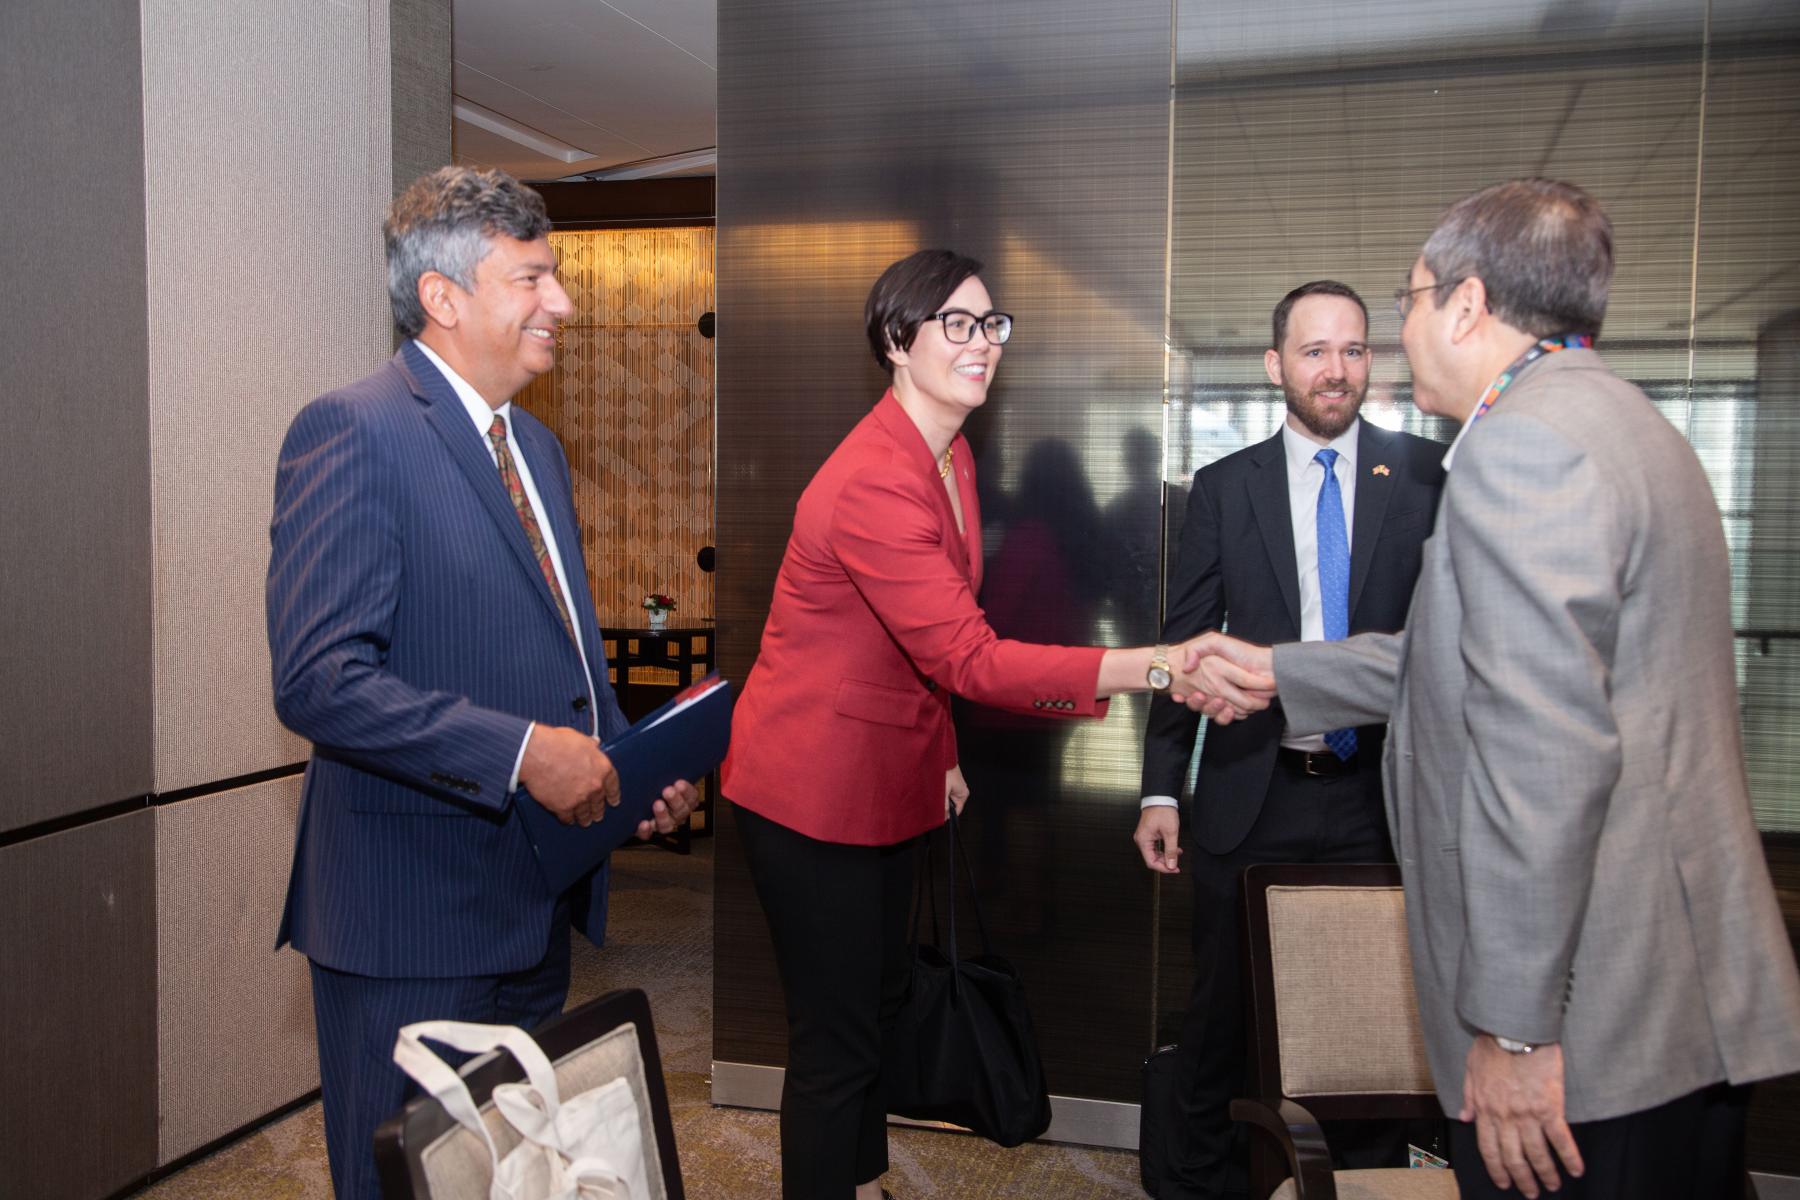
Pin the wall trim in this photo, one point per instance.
(119, 808)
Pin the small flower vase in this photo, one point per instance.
(659, 618)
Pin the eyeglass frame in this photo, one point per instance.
(1403, 297)
(981, 320)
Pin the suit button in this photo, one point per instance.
(579, 704)
(931, 685)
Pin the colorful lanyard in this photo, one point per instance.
(1549, 345)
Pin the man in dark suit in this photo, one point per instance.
(1314, 534)
(433, 635)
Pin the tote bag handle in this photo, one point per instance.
(926, 895)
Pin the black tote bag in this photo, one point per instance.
(963, 1050)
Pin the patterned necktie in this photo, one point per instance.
(515, 487)
(1334, 577)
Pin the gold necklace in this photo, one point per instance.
(944, 467)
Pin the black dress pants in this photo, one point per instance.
(1304, 818)
(837, 916)
(1691, 1148)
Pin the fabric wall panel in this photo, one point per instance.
(75, 541)
(268, 149)
(78, 1010)
(234, 1016)
(421, 59)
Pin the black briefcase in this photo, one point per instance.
(963, 1049)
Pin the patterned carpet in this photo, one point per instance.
(659, 938)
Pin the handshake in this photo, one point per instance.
(1222, 677)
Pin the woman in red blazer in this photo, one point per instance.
(842, 750)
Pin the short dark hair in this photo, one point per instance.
(906, 296)
(1541, 247)
(1318, 287)
(442, 222)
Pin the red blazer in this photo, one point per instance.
(843, 730)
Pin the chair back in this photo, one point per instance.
(1333, 1017)
(423, 1154)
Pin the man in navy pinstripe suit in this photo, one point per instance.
(433, 636)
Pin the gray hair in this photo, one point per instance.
(1542, 248)
(443, 223)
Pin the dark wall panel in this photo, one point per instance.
(1033, 135)
(75, 494)
(78, 1010)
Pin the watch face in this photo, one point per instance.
(1159, 678)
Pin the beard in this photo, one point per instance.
(1321, 421)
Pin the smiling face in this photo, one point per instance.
(948, 379)
(1322, 366)
(504, 329)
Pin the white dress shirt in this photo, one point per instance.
(1305, 476)
(482, 414)
(1450, 454)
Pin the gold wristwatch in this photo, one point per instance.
(1159, 676)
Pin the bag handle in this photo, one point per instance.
(924, 891)
(477, 1039)
(448, 1087)
(958, 851)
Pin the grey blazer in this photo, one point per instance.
(1564, 773)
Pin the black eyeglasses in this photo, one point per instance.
(1403, 297)
(960, 325)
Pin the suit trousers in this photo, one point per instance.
(358, 1017)
(837, 916)
(1691, 1148)
(1304, 819)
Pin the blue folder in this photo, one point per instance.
(684, 739)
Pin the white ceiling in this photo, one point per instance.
(546, 89)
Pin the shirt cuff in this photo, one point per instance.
(1158, 802)
(513, 785)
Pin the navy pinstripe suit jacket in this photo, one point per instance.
(413, 639)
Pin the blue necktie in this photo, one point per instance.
(1334, 577)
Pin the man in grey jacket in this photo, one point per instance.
(1599, 960)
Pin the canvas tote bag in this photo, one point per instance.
(586, 1148)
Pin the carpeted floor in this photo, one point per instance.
(659, 938)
